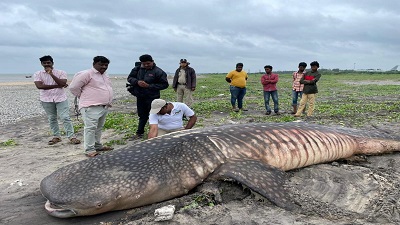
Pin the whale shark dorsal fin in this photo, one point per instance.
(262, 178)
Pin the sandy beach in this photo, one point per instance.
(20, 100)
(363, 191)
(20, 83)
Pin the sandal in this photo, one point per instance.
(74, 141)
(104, 148)
(92, 154)
(55, 140)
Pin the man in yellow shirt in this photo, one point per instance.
(237, 78)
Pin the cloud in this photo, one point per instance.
(212, 35)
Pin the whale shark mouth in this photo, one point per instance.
(58, 211)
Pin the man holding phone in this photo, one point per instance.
(51, 83)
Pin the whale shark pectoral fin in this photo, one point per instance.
(262, 178)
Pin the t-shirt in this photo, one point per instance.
(238, 79)
(174, 120)
(182, 77)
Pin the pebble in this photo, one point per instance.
(20, 102)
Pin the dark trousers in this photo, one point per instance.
(143, 109)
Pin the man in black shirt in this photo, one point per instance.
(146, 82)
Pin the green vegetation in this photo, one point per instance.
(121, 123)
(200, 200)
(77, 125)
(9, 142)
(347, 99)
(355, 96)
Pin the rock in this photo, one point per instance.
(164, 213)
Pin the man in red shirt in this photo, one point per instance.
(269, 80)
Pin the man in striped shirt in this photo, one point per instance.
(51, 83)
(297, 88)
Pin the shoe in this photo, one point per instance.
(267, 113)
(92, 154)
(55, 140)
(136, 137)
(74, 141)
(235, 110)
(104, 149)
(243, 109)
(277, 113)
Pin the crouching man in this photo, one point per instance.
(167, 117)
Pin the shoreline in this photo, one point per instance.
(19, 83)
(16, 83)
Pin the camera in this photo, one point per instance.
(130, 88)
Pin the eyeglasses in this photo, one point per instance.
(183, 61)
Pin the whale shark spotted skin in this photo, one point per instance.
(169, 166)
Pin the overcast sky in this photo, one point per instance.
(212, 35)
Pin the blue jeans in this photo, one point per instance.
(94, 118)
(61, 109)
(295, 96)
(237, 94)
(274, 95)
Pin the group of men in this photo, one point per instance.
(146, 80)
(93, 89)
(304, 87)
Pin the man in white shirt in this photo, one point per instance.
(167, 117)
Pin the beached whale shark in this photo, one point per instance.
(169, 166)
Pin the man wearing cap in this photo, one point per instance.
(184, 82)
(166, 117)
(147, 81)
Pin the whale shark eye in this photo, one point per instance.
(99, 205)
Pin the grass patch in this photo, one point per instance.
(9, 142)
(199, 200)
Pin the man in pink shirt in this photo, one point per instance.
(93, 88)
(269, 80)
(51, 83)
